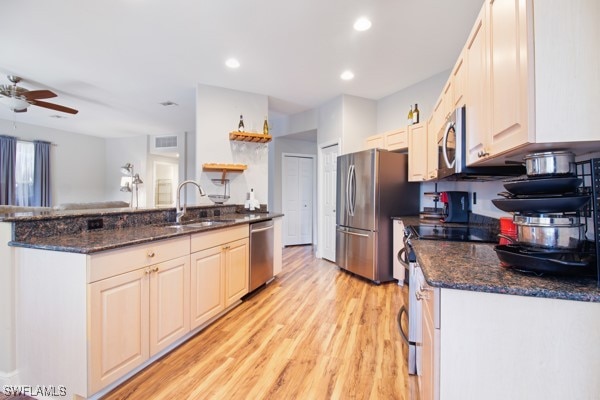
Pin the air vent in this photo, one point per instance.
(165, 142)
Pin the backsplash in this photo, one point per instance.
(78, 222)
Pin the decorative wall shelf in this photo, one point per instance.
(224, 168)
(250, 137)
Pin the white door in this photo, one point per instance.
(297, 199)
(329, 155)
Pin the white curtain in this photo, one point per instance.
(24, 173)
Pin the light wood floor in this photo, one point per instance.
(314, 333)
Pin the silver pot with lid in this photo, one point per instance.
(551, 231)
(550, 163)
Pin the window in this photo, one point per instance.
(24, 173)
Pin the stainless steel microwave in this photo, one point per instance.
(452, 154)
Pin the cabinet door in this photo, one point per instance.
(417, 153)
(507, 33)
(375, 142)
(236, 270)
(118, 326)
(207, 285)
(169, 302)
(476, 92)
(458, 78)
(396, 140)
(432, 150)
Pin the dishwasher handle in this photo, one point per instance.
(254, 230)
(261, 226)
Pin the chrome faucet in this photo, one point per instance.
(179, 213)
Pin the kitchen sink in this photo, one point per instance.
(199, 224)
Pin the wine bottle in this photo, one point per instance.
(409, 119)
(266, 127)
(241, 124)
(416, 114)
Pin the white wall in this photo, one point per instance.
(359, 122)
(330, 126)
(217, 113)
(120, 151)
(393, 109)
(77, 161)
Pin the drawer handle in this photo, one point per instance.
(226, 247)
(155, 269)
(150, 253)
(147, 271)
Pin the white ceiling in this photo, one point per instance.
(116, 60)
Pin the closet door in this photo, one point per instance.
(297, 194)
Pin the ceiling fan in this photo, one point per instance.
(18, 99)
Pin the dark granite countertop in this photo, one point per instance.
(476, 267)
(88, 242)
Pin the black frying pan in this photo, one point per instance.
(552, 185)
(542, 205)
(565, 263)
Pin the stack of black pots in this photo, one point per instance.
(545, 205)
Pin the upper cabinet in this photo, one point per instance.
(393, 140)
(532, 78)
(417, 152)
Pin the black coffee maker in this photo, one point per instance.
(456, 206)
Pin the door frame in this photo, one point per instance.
(314, 191)
(320, 180)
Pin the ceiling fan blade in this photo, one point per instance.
(53, 106)
(39, 94)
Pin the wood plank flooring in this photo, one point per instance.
(314, 333)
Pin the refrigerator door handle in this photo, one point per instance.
(353, 190)
(348, 208)
(352, 233)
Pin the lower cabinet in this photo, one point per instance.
(136, 315)
(87, 321)
(219, 272)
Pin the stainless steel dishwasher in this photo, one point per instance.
(261, 253)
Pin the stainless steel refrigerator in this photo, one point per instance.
(372, 186)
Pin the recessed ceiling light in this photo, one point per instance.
(168, 103)
(362, 24)
(57, 116)
(232, 63)
(347, 75)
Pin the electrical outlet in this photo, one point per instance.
(217, 213)
(203, 214)
(96, 223)
(474, 197)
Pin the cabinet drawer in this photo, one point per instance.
(114, 262)
(206, 240)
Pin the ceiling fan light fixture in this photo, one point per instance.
(14, 103)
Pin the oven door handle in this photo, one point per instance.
(402, 257)
(402, 333)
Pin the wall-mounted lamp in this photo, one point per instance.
(129, 182)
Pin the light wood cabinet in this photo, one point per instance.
(459, 82)
(375, 142)
(392, 140)
(429, 378)
(207, 285)
(219, 272)
(417, 153)
(136, 315)
(528, 86)
(432, 151)
(476, 92)
(396, 140)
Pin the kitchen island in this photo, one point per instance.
(94, 306)
(495, 333)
